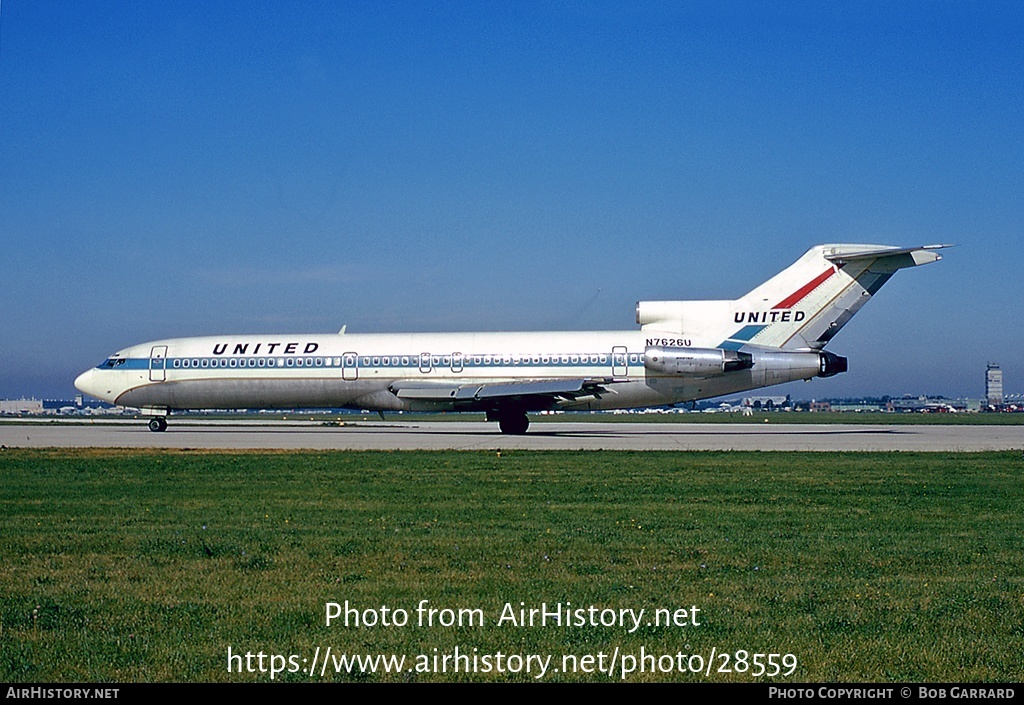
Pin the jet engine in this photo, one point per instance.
(830, 364)
(781, 365)
(695, 362)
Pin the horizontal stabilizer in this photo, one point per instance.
(924, 254)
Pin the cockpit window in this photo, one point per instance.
(113, 362)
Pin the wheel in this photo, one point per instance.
(158, 424)
(513, 424)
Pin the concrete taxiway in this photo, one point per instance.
(478, 435)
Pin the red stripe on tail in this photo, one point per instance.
(794, 298)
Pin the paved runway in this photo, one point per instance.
(478, 435)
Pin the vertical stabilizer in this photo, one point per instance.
(801, 308)
(804, 306)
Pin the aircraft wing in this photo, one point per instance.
(510, 391)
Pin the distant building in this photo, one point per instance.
(856, 406)
(21, 406)
(930, 405)
(994, 385)
(768, 403)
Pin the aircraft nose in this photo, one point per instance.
(90, 382)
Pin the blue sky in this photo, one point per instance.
(182, 168)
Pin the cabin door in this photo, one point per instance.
(350, 366)
(620, 361)
(158, 363)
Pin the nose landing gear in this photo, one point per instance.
(158, 424)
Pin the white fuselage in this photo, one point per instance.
(360, 371)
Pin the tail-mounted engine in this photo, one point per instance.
(830, 364)
(780, 365)
(695, 362)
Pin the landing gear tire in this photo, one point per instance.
(514, 424)
(158, 424)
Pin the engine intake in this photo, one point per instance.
(696, 362)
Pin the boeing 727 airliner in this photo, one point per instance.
(683, 351)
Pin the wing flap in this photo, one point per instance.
(493, 391)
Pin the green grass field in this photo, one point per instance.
(147, 566)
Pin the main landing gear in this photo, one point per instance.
(513, 423)
(158, 424)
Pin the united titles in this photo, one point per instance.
(775, 316)
(267, 348)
